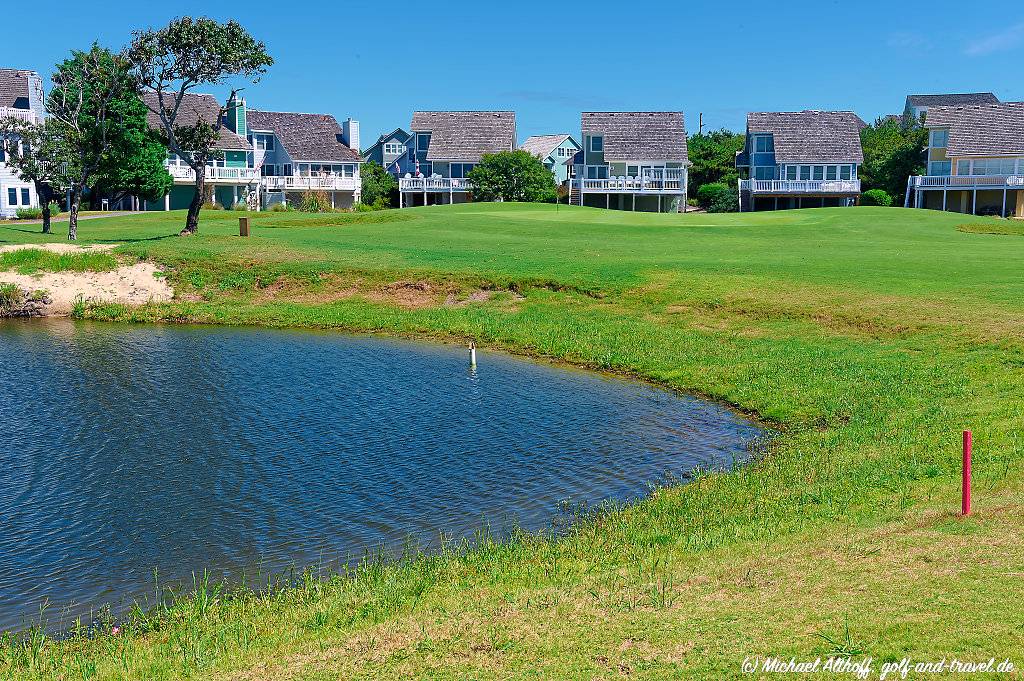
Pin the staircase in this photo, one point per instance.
(575, 197)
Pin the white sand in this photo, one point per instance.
(133, 285)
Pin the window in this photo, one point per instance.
(844, 172)
(831, 172)
(764, 144)
(819, 173)
(394, 148)
(940, 168)
(348, 170)
(940, 139)
(805, 172)
(572, 171)
(422, 141)
(790, 172)
(3, 154)
(12, 196)
(597, 172)
(287, 169)
(597, 144)
(632, 171)
(988, 166)
(24, 196)
(764, 173)
(264, 142)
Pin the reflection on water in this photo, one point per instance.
(129, 448)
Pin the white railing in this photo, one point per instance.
(655, 180)
(277, 183)
(434, 184)
(801, 186)
(213, 173)
(968, 181)
(20, 114)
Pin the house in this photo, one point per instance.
(445, 147)
(632, 160)
(975, 160)
(21, 97)
(800, 159)
(556, 152)
(231, 177)
(918, 105)
(300, 152)
(390, 151)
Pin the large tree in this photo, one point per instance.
(713, 158)
(378, 185)
(85, 106)
(512, 176)
(893, 151)
(37, 154)
(175, 60)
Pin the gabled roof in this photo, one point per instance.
(14, 88)
(305, 136)
(466, 135)
(544, 145)
(396, 133)
(986, 130)
(811, 136)
(195, 107)
(638, 135)
(953, 99)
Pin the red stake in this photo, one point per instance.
(965, 505)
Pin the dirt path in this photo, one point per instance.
(131, 285)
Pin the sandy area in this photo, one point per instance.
(131, 285)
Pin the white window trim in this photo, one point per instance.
(592, 149)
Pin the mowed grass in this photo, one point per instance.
(869, 338)
(34, 260)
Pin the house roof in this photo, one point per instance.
(466, 135)
(305, 136)
(986, 130)
(195, 107)
(14, 88)
(638, 135)
(543, 145)
(811, 136)
(396, 133)
(953, 99)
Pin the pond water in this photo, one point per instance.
(132, 448)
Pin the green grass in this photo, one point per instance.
(870, 337)
(34, 260)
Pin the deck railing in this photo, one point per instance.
(801, 186)
(655, 180)
(277, 183)
(434, 184)
(26, 115)
(968, 181)
(213, 174)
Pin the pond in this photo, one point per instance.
(129, 449)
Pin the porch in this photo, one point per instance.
(650, 181)
(792, 187)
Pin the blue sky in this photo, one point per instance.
(548, 61)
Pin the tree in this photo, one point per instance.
(84, 107)
(172, 62)
(512, 176)
(378, 185)
(713, 157)
(893, 151)
(35, 151)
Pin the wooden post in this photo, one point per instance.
(965, 501)
(243, 226)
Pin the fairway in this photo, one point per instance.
(869, 338)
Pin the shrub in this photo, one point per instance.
(240, 205)
(212, 205)
(876, 197)
(29, 213)
(716, 197)
(279, 208)
(54, 209)
(315, 201)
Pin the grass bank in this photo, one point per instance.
(870, 336)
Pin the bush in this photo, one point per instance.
(380, 203)
(240, 205)
(315, 201)
(279, 208)
(54, 209)
(876, 197)
(29, 213)
(716, 197)
(212, 205)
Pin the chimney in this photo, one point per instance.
(236, 118)
(350, 128)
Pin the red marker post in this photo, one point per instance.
(965, 502)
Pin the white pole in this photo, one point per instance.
(472, 353)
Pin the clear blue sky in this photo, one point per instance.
(379, 61)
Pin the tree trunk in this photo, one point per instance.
(192, 219)
(76, 198)
(45, 195)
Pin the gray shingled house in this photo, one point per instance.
(301, 152)
(918, 105)
(556, 152)
(632, 160)
(21, 97)
(800, 159)
(445, 145)
(975, 160)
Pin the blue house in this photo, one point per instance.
(556, 152)
(390, 151)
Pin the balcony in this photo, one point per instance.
(656, 181)
(214, 174)
(434, 184)
(26, 115)
(968, 181)
(800, 186)
(338, 183)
